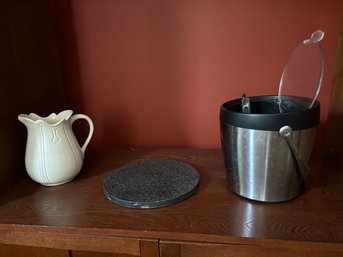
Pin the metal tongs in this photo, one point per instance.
(245, 103)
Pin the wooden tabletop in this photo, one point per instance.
(212, 214)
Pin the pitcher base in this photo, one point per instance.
(56, 184)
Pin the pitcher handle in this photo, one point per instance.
(91, 128)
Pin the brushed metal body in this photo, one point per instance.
(260, 165)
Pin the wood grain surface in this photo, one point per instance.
(78, 216)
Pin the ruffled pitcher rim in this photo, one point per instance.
(52, 120)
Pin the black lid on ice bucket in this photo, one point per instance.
(265, 113)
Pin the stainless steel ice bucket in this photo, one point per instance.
(260, 163)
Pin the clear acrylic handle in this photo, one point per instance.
(303, 74)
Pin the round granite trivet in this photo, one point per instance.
(151, 183)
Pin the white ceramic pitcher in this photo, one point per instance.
(53, 155)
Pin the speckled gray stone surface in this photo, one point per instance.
(151, 183)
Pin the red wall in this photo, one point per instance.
(154, 73)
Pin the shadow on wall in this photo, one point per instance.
(69, 62)
(68, 53)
